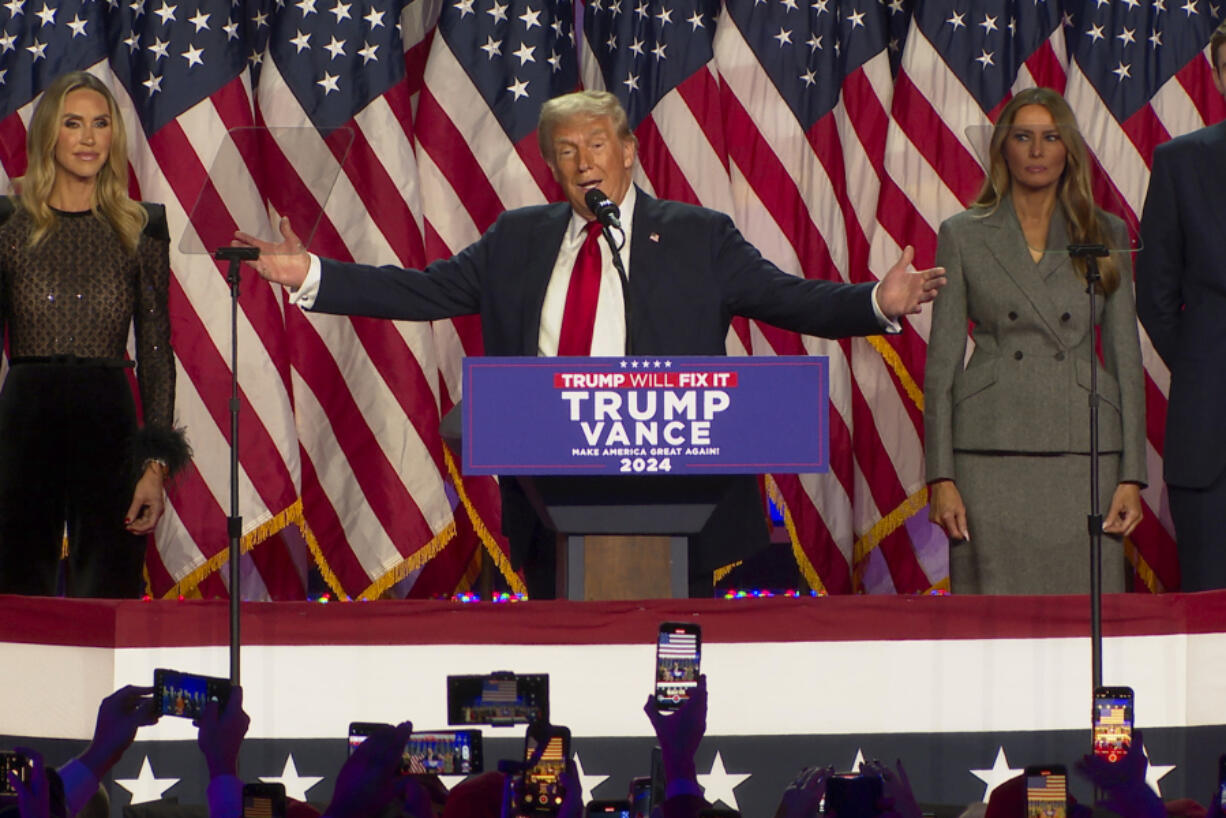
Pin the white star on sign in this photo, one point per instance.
(999, 774)
(146, 787)
(719, 784)
(587, 782)
(1155, 772)
(296, 786)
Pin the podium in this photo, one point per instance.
(625, 458)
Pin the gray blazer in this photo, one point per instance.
(1025, 387)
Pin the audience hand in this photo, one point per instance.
(221, 734)
(1122, 782)
(33, 798)
(804, 795)
(120, 715)
(680, 733)
(897, 799)
(371, 777)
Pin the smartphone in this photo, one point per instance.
(10, 761)
(1046, 791)
(262, 800)
(1112, 719)
(640, 797)
(186, 694)
(597, 808)
(678, 650)
(852, 795)
(443, 752)
(359, 731)
(546, 748)
(499, 698)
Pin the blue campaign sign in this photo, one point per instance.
(645, 415)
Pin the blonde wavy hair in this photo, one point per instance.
(110, 199)
(1074, 191)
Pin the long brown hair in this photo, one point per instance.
(110, 198)
(1073, 191)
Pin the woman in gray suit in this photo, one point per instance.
(1008, 435)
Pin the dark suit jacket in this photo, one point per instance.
(690, 272)
(1181, 298)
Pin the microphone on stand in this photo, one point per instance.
(607, 214)
(602, 208)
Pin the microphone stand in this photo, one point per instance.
(607, 229)
(234, 523)
(1091, 253)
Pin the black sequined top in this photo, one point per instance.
(78, 292)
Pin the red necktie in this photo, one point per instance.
(579, 316)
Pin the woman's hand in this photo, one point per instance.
(1125, 512)
(946, 509)
(148, 500)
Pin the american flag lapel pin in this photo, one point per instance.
(655, 237)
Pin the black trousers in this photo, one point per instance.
(65, 436)
(1197, 514)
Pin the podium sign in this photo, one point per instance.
(645, 415)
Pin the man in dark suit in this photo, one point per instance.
(1181, 301)
(544, 284)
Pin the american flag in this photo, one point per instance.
(834, 131)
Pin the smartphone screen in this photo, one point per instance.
(498, 699)
(1112, 722)
(262, 800)
(608, 809)
(359, 731)
(443, 752)
(12, 761)
(1046, 792)
(186, 694)
(542, 790)
(678, 650)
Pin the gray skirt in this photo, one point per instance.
(1026, 514)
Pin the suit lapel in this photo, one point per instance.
(645, 249)
(538, 269)
(1007, 243)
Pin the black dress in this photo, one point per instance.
(70, 445)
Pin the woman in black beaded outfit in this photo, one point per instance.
(81, 263)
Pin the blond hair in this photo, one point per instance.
(1074, 191)
(110, 200)
(580, 103)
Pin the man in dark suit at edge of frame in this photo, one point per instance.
(1181, 301)
(544, 284)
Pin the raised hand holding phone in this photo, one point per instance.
(678, 656)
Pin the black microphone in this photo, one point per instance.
(602, 208)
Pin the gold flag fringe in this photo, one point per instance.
(890, 355)
(188, 586)
(472, 573)
(1143, 569)
(724, 570)
(881, 529)
(491, 547)
(411, 563)
(798, 553)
